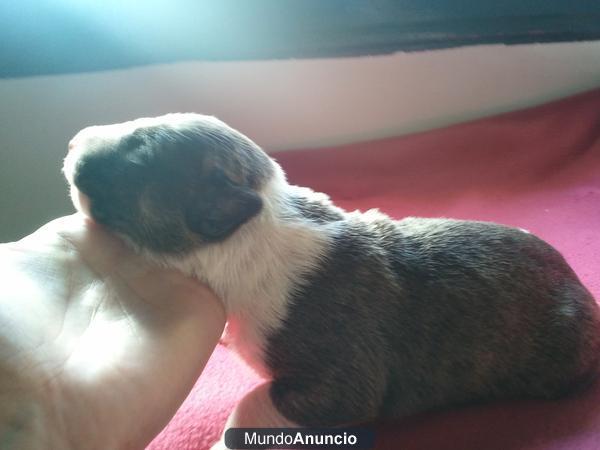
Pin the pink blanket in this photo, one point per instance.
(538, 169)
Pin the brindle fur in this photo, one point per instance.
(408, 316)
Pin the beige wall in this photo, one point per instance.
(280, 104)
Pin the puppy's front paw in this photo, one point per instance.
(255, 410)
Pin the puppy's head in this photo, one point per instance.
(169, 184)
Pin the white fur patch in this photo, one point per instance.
(254, 270)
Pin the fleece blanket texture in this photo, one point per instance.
(537, 169)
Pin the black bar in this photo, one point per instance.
(300, 438)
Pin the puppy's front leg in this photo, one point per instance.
(255, 410)
(343, 392)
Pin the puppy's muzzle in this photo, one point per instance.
(93, 178)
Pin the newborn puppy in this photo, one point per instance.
(352, 316)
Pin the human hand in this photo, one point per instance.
(97, 347)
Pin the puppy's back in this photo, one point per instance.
(497, 312)
(425, 313)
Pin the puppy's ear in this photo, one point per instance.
(220, 209)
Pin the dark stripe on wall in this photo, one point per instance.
(63, 36)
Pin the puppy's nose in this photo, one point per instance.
(90, 175)
(94, 175)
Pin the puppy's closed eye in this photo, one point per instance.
(218, 179)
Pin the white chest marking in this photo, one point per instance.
(254, 270)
